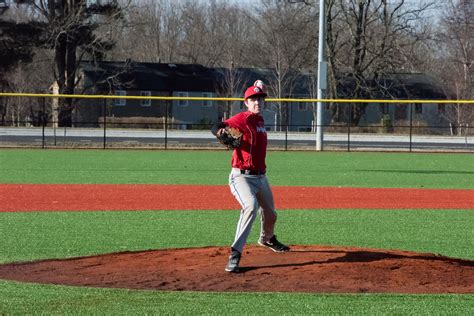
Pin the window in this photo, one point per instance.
(303, 106)
(145, 102)
(206, 103)
(183, 102)
(418, 108)
(120, 102)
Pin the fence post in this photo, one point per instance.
(166, 123)
(286, 137)
(411, 124)
(104, 112)
(349, 128)
(55, 124)
(43, 122)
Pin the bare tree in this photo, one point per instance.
(18, 40)
(285, 43)
(27, 77)
(153, 33)
(378, 37)
(238, 34)
(334, 31)
(17, 110)
(210, 31)
(69, 29)
(231, 85)
(175, 31)
(456, 62)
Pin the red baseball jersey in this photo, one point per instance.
(251, 154)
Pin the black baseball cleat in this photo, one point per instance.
(274, 245)
(234, 260)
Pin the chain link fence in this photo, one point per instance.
(42, 130)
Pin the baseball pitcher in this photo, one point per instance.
(245, 134)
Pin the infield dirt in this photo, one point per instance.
(106, 197)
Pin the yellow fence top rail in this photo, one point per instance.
(132, 97)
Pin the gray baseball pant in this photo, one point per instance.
(255, 196)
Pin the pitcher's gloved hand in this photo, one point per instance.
(230, 137)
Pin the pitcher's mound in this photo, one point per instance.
(303, 269)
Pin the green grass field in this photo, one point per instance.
(30, 236)
(376, 170)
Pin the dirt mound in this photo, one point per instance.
(303, 269)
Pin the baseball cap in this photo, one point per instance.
(253, 91)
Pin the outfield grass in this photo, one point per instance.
(20, 299)
(376, 170)
(28, 236)
(42, 235)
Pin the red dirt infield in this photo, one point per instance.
(318, 269)
(304, 269)
(87, 197)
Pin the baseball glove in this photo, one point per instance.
(230, 137)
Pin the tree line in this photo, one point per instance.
(42, 43)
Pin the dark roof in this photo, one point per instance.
(416, 85)
(194, 77)
(152, 76)
(393, 86)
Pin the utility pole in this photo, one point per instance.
(322, 72)
(322, 76)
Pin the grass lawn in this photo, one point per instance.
(43, 235)
(29, 236)
(17, 298)
(373, 170)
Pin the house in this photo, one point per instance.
(401, 86)
(192, 80)
(301, 116)
(146, 79)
